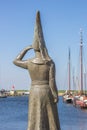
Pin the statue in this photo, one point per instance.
(43, 98)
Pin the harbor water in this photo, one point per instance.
(14, 114)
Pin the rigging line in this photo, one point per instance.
(66, 74)
(66, 78)
(78, 72)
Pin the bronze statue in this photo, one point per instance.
(43, 98)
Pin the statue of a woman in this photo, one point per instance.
(43, 112)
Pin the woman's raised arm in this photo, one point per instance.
(18, 60)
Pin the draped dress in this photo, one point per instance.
(43, 112)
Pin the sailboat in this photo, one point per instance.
(81, 99)
(68, 97)
(3, 94)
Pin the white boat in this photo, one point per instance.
(3, 94)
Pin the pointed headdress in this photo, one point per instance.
(39, 43)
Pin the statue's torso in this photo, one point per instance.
(38, 72)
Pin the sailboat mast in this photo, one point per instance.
(81, 62)
(74, 86)
(69, 72)
(85, 82)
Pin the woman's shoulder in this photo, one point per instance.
(51, 62)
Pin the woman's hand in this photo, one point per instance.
(56, 100)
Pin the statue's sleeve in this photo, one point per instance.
(52, 81)
(18, 60)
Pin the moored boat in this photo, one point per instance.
(81, 101)
(3, 94)
(68, 97)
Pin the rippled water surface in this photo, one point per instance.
(14, 112)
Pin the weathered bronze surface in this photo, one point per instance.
(43, 98)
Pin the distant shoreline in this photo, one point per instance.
(26, 92)
(60, 92)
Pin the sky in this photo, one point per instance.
(61, 22)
